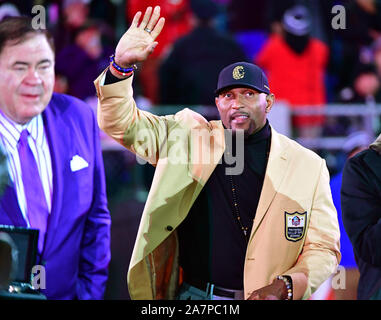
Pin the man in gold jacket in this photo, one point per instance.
(291, 238)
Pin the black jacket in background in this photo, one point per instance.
(361, 211)
(189, 75)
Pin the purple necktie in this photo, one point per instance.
(37, 209)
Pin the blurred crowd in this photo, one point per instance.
(310, 61)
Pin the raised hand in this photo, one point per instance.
(139, 40)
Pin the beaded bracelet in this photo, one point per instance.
(119, 68)
(128, 74)
(288, 282)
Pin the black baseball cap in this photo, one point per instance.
(242, 74)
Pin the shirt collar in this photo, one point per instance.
(263, 134)
(12, 130)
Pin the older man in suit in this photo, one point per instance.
(55, 166)
(264, 228)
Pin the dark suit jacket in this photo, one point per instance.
(361, 211)
(76, 250)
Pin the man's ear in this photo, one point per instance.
(270, 99)
(216, 99)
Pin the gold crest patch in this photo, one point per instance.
(238, 72)
(295, 225)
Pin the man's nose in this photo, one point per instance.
(237, 102)
(33, 77)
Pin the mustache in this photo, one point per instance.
(238, 114)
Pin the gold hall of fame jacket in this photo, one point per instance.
(295, 230)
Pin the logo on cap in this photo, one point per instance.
(238, 72)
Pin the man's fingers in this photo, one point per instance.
(155, 16)
(146, 18)
(136, 19)
(159, 26)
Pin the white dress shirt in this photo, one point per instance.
(9, 137)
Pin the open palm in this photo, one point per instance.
(139, 40)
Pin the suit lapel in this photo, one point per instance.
(275, 172)
(54, 127)
(201, 165)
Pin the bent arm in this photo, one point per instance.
(139, 131)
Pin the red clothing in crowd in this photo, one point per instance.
(296, 78)
(177, 14)
(178, 22)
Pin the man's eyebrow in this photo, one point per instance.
(44, 61)
(20, 62)
(27, 63)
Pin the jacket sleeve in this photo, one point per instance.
(320, 255)
(95, 245)
(360, 204)
(141, 132)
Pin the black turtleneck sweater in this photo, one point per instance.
(212, 243)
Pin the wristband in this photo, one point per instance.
(124, 74)
(288, 282)
(119, 68)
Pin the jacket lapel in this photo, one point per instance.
(53, 129)
(206, 155)
(275, 172)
